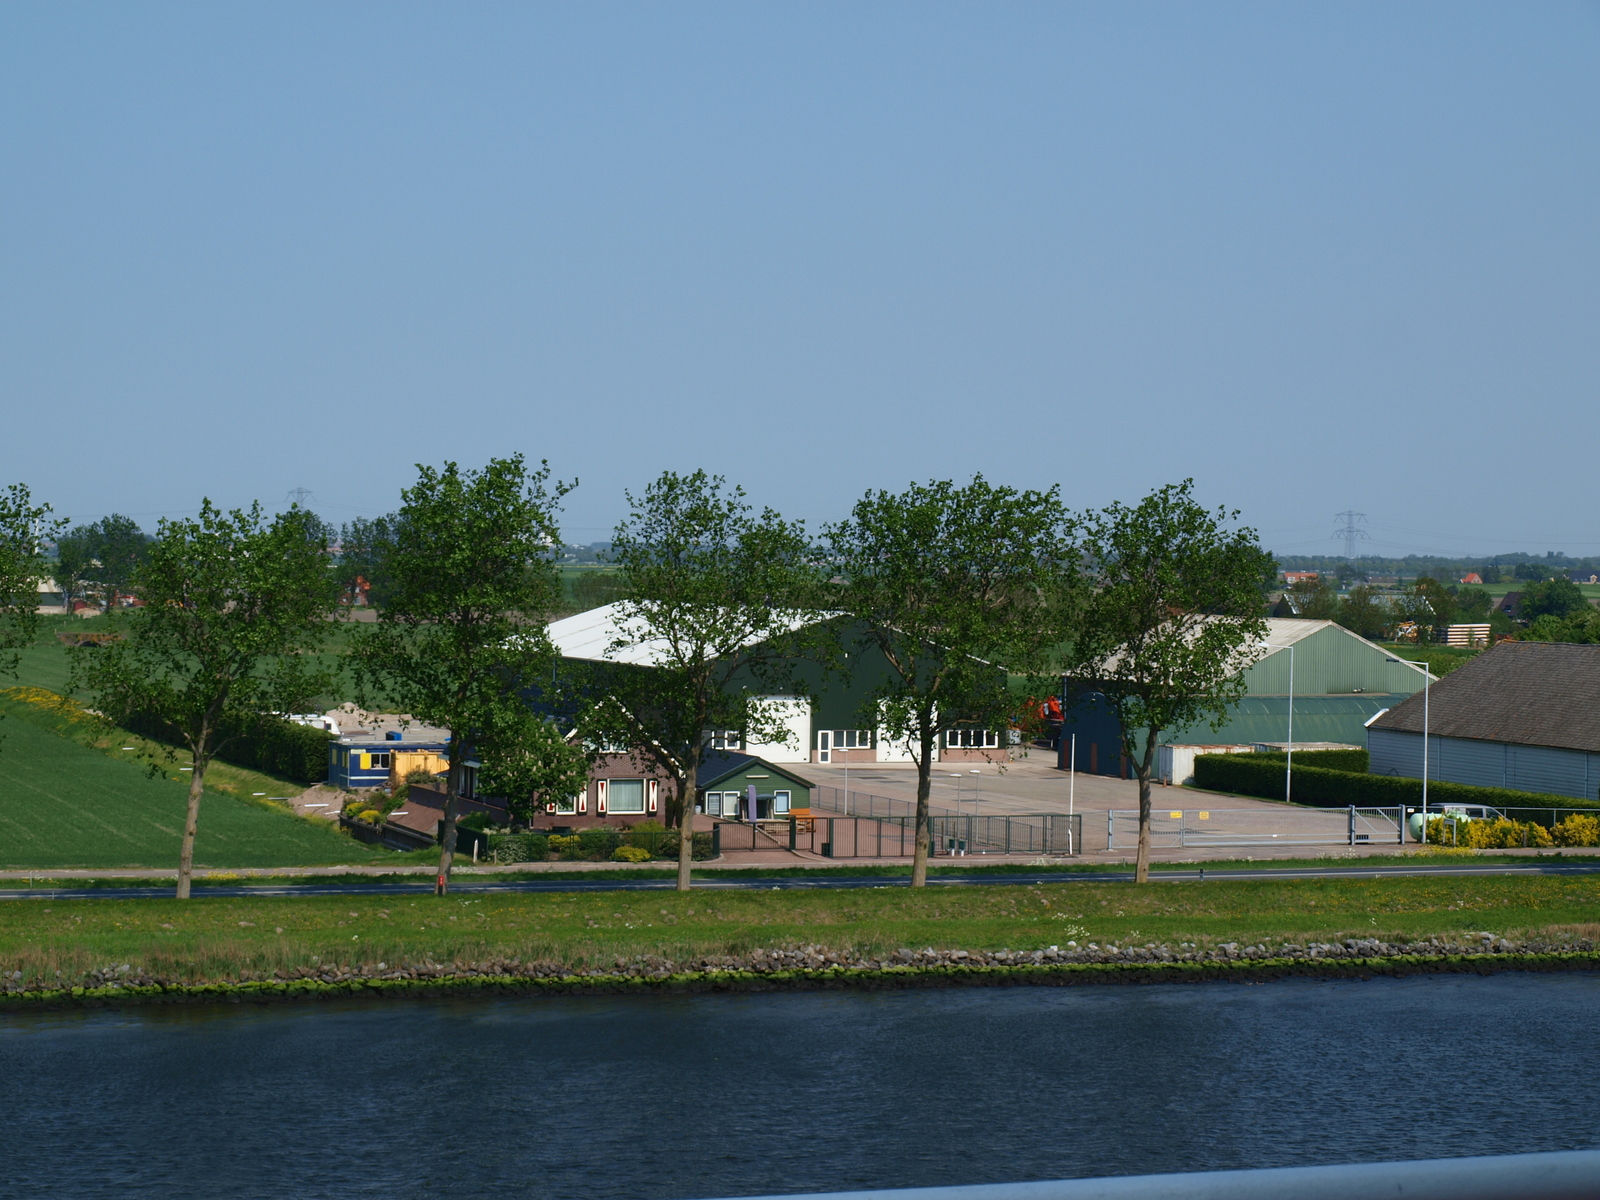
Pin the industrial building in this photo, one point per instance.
(1524, 715)
(1340, 681)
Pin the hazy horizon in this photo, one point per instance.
(1318, 258)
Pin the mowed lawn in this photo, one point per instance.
(219, 936)
(65, 805)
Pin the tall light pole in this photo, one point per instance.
(1288, 766)
(1427, 678)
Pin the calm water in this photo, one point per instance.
(717, 1096)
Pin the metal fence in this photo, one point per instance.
(950, 832)
(1173, 828)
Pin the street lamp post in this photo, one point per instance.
(1427, 678)
(1288, 766)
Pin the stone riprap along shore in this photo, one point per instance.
(813, 967)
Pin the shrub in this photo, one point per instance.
(269, 744)
(631, 854)
(1498, 834)
(1577, 830)
(666, 846)
(566, 847)
(1333, 760)
(1262, 775)
(519, 847)
(370, 815)
(597, 845)
(419, 775)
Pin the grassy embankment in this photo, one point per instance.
(77, 792)
(244, 936)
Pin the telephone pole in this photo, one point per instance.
(1350, 532)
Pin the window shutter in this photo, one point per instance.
(583, 801)
(654, 788)
(600, 796)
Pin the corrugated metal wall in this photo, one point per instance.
(1331, 662)
(1486, 764)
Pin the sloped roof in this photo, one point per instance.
(1526, 693)
(721, 764)
(591, 635)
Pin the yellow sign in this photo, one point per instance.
(1205, 816)
(1176, 816)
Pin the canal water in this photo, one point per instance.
(702, 1096)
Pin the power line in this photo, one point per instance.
(299, 496)
(1351, 533)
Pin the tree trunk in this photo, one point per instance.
(919, 861)
(197, 784)
(447, 840)
(1142, 768)
(686, 791)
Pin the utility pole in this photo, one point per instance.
(1350, 532)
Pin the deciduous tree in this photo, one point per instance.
(1170, 621)
(461, 636)
(232, 607)
(719, 602)
(1554, 598)
(116, 547)
(954, 586)
(25, 527)
(532, 764)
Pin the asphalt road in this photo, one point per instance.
(467, 886)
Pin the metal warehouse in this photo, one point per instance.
(1525, 715)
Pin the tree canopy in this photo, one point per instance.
(724, 599)
(1170, 621)
(232, 603)
(954, 586)
(460, 641)
(24, 528)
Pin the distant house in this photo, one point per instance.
(1340, 681)
(1585, 577)
(1524, 715)
(1294, 577)
(1510, 604)
(1472, 577)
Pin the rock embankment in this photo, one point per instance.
(810, 966)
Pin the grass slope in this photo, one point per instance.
(67, 805)
(217, 938)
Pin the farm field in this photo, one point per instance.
(63, 804)
(221, 937)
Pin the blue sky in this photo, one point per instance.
(1318, 257)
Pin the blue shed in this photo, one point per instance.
(368, 763)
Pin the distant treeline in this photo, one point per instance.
(1413, 565)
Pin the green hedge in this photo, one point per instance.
(275, 746)
(1333, 760)
(1262, 775)
(519, 847)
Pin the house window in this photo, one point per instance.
(852, 739)
(780, 803)
(971, 739)
(625, 796)
(714, 804)
(725, 739)
(375, 762)
(569, 805)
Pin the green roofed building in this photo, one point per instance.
(1341, 682)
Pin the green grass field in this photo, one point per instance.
(63, 804)
(213, 938)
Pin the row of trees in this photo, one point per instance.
(958, 588)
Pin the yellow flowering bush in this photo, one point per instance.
(1578, 830)
(632, 854)
(1498, 834)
